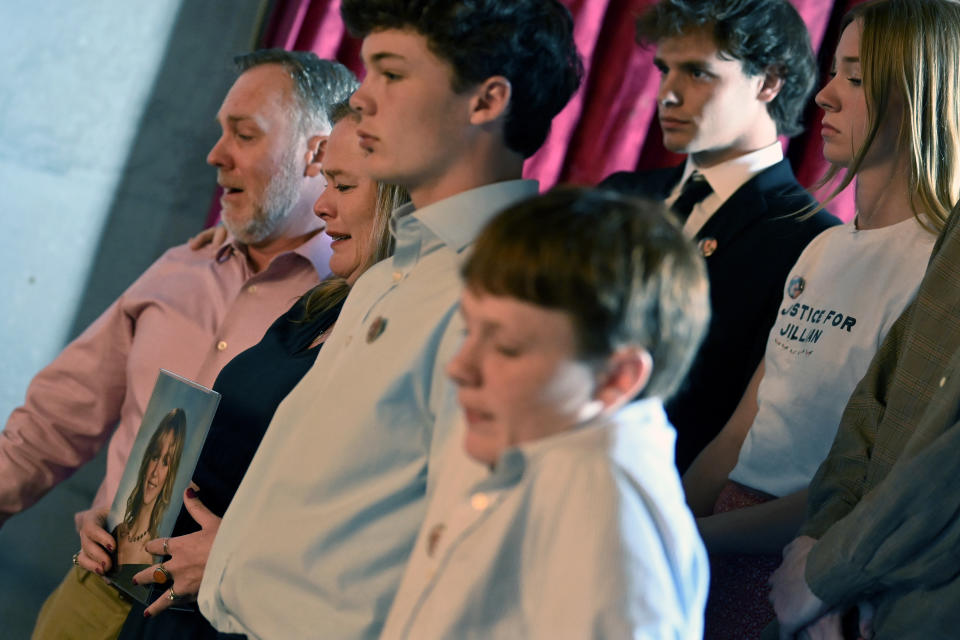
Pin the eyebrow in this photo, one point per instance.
(850, 59)
(382, 55)
(685, 64)
(232, 119)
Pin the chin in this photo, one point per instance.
(235, 223)
(836, 159)
(231, 216)
(679, 146)
(480, 452)
(341, 271)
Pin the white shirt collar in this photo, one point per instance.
(725, 178)
(458, 220)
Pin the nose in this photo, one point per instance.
(218, 156)
(324, 208)
(668, 95)
(361, 100)
(826, 98)
(462, 368)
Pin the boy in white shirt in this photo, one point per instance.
(575, 303)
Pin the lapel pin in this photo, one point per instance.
(707, 246)
(377, 327)
(434, 539)
(796, 287)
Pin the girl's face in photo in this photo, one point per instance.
(158, 466)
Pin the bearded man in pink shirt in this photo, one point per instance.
(192, 311)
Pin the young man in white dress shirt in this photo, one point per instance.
(456, 96)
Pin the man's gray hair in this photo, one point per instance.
(317, 84)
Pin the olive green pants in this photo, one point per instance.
(83, 607)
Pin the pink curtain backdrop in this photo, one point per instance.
(610, 124)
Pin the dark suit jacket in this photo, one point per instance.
(758, 238)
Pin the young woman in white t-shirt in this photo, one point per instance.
(892, 122)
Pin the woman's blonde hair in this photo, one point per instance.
(909, 52)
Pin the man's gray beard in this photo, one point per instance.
(279, 198)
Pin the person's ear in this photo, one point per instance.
(623, 376)
(491, 100)
(771, 86)
(316, 147)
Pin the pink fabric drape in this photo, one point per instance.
(609, 125)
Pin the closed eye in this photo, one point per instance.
(507, 351)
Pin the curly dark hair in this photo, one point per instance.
(529, 42)
(762, 34)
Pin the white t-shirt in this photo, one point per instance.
(842, 296)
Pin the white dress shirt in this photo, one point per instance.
(584, 534)
(315, 540)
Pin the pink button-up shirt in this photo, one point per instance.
(189, 313)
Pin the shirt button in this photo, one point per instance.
(943, 381)
(479, 501)
(252, 288)
(397, 276)
(221, 345)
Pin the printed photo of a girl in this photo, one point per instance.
(150, 497)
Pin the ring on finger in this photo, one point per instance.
(76, 559)
(165, 541)
(161, 575)
(173, 595)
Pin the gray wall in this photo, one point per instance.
(106, 115)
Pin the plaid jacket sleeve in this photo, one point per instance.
(840, 482)
(884, 503)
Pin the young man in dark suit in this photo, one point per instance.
(735, 75)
